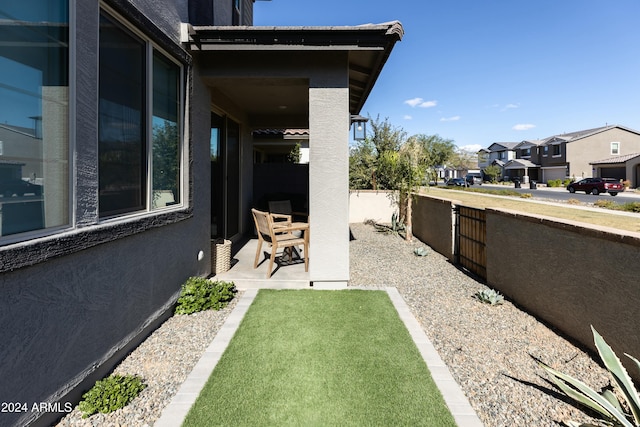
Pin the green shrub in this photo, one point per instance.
(567, 182)
(606, 404)
(110, 394)
(199, 294)
(554, 183)
(489, 296)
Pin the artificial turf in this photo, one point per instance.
(320, 358)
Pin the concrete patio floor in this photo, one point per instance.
(283, 276)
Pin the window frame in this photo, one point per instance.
(85, 229)
(616, 151)
(150, 47)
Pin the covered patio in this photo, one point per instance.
(285, 275)
(309, 78)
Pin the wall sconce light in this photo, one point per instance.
(359, 125)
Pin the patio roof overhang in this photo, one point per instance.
(368, 47)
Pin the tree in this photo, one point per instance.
(388, 160)
(436, 152)
(493, 172)
(464, 160)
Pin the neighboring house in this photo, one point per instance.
(498, 154)
(626, 168)
(609, 151)
(144, 115)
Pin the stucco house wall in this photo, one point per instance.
(598, 147)
(76, 301)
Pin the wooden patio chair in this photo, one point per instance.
(282, 212)
(279, 237)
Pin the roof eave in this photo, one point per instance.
(377, 38)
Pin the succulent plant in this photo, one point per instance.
(421, 251)
(489, 296)
(606, 404)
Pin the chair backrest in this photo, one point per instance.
(280, 207)
(263, 223)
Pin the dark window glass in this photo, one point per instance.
(121, 128)
(34, 111)
(166, 132)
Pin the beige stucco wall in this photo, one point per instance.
(598, 147)
(371, 205)
(433, 223)
(569, 274)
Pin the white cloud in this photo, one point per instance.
(473, 148)
(413, 102)
(408, 117)
(523, 126)
(510, 107)
(450, 119)
(419, 102)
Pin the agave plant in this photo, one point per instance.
(397, 225)
(489, 296)
(606, 404)
(421, 251)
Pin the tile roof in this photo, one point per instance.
(616, 159)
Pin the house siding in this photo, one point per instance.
(597, 147)
(75, 302)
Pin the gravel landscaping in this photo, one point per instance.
(487, 348)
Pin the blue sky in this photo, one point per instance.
(484, 71)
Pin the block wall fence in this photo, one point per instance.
(568, 274)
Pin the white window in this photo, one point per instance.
(140, 123)
(615, 148)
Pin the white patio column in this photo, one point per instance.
(329, 186)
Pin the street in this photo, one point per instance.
(562, 195)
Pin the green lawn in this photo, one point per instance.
(603, 217)
(321, 358)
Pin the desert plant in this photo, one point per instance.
(489, 296)
(574, 202)
(397, 225)
(606, 204)
(421, 251)
(109, 394)
(199, 294)
(631, 207)
(606, 404)
(526, 195)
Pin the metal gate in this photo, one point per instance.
(471, 236)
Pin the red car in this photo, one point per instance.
(596, 186)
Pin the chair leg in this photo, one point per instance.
(271, 259)
(306, 256)
(255, 263)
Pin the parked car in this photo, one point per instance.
(474, 178)
(19, 187)
(458, 182)
(596, 186)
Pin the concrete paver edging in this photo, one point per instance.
(175, 413)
